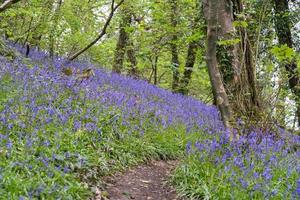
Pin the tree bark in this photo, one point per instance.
(53, 28)
(122, 42)
(188, 69)
(191, 55)
(219, 92)
(247, 69)
(174, 47)
(283, 30)
(227, 54)
(133, 71)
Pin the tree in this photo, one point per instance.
(174, 47)
(219, 92)
(102, 33)
(120, 51)
(246, 59)
(191, 52)
(4, 49)
(283, 30)
(54, 20)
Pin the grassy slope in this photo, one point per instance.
(58, 136)
(44, 155)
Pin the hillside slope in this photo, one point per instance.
(58, 135)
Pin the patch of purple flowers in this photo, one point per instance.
(49, 104)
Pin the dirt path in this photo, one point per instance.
(144, 182)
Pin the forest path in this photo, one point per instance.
(143, 182)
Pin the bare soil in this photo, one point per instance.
(144, 182)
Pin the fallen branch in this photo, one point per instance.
(6, 4)
(102, 33)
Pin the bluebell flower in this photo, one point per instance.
(267, 173)
(243, 183)
(188, 147)
(9, 144)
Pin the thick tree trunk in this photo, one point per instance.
(219, 92)
(227, 54)
(283, 29)
(247, 69)
(235, 61)
(174, 47)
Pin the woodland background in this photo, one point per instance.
(164, 42)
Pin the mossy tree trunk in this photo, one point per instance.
(218, 88)
(283, 29)
(123, 40)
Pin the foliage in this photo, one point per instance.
(283, 53)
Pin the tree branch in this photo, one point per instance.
(6, 4)
(102, 33)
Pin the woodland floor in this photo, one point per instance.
(144, 182)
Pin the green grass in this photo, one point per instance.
(53, 161)
(103, 158)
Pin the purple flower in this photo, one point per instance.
(243, 183)
(238, 162)
(188, 147)
(9, 144)
(257, 186)
(267, 174)
(90, 126)
(76, 125)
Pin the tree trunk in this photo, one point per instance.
(154, 61)
(191, 54)
(188, 69)
(122, 43)
(227, 53)
(247, 68)
(219, 92)
(133, 71)
(120, 49)
(283, 29)
(53, 28)
(235, 61)
(174, 47)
